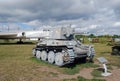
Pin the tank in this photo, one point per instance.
(116, 49)
(60, 47)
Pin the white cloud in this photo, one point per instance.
(34, 23)
(93, 26)
(117, 24)
(88, 15)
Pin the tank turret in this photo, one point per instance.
(60, 47)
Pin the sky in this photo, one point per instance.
(95, 16)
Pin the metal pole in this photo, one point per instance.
(105, 68)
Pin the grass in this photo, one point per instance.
(53, 74)
(75, 68)
(88, 65)
(70, 70)
(105, 51)
(83, 79)
(97, 73)
(18, 64)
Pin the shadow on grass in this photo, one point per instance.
(97, 72)
(16, 43)
(81, 62)
(69, 69)
(75, 63)
(100, 69)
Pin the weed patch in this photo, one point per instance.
(88, 65)
(97, 72)
(71, 71)
(83, 79)
(53, 74)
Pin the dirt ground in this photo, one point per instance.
(85, 72)
(115, 75)
(59, 77)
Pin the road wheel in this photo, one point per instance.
(44, 55)
(38, 54)
(59, 59)
(51, 57)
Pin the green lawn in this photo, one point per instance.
(105, 51)
(18, 64)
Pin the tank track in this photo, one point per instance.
(59, 56)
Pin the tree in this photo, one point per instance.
(91, 36)
(116, 36)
